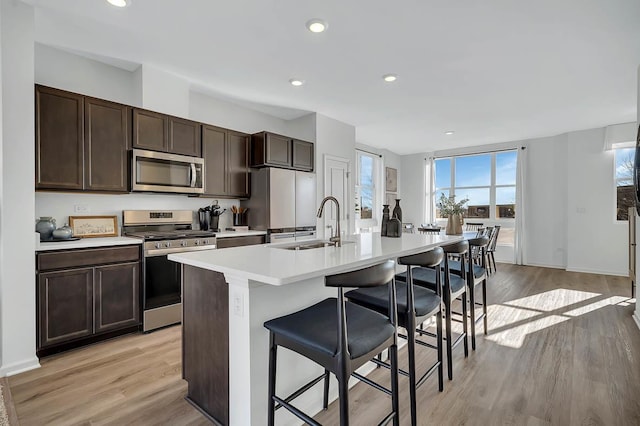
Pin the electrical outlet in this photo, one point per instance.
(81, 208)
(238, 305)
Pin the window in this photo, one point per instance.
(487, 180)
(624, 159)
(366, 185)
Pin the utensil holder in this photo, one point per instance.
(240, 219)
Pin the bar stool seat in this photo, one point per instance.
(376, 298)
(426, 277)
(314, 327)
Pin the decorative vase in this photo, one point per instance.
(394, 227)
(63, 233)
(397, 211)
(45, 227)
(454, 225)
(385, 220)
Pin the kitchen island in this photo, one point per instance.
(229, 294)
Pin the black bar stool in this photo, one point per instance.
(475, 274)
(340, 336)
(415, 305)
(454, 286)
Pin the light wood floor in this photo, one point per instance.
(562, 349)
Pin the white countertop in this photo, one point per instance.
(271, 265)
(87, 242)
(226, 234)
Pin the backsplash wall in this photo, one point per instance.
(61, 205)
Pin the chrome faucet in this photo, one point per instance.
(334, 239)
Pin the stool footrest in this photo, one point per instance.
(428, 374)
(296, 412)
(371, 383)
(387, 419)
(300, 391)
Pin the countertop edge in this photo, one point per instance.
(87, 243)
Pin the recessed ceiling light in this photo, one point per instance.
(389, 78)
(119, 3)
(317, 25)
(296, 82)
(449, 132)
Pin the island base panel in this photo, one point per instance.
(205, 341)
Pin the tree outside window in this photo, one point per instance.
(625, 195)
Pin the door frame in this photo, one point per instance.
(349, 190)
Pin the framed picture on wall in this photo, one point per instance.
(391, 179)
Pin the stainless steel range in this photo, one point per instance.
(164, 232)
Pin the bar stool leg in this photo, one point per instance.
(325, 402)
(439, 346)
(472, 314)
(411, 348)
(484, 306)
(343, 391)
(447, 305)
(273, 353)
(465, 328)
(395, 390)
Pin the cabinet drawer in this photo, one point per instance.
(87, 257)
(240, 241)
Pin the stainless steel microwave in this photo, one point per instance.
(161, 172)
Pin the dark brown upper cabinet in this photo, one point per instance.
(272, 150)
(81, 142)
(59, 139)
(226, 162)
(161, 132)
(303, 155)
(106, 141)
(184, 137)
(150, 130)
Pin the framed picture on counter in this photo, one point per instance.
(94, 226)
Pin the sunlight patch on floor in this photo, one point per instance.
(512, 321)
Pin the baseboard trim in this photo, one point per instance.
(19, 367)
(636, 318)
(543, 265)
(597, 271)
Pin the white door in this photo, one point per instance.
(336, 184)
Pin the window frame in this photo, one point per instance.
(375, 172)
(617, 147)
(453, 189)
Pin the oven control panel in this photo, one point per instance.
(157, 248)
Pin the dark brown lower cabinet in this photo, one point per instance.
(117, 299)
(66, 305)
(81, 303)
(240, 241)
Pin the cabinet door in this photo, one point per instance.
(150, 130)
(214, 152)
(106, 141)
(277, 150)
(303, 158)
(240, 241)
(59, 139)
(65, 305)
(238, 165)
(117, 296)
(184, 137)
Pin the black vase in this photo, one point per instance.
(385, 220)
(397, 211)
(394, 228)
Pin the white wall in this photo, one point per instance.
(338, 139)
(17, 243)
(163, 92)
(546, 202)
(413, 186)
(64, 70)
(591, 208)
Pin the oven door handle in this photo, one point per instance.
(193, 175)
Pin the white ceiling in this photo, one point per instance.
(492, 70)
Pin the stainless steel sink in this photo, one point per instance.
(309, 245)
